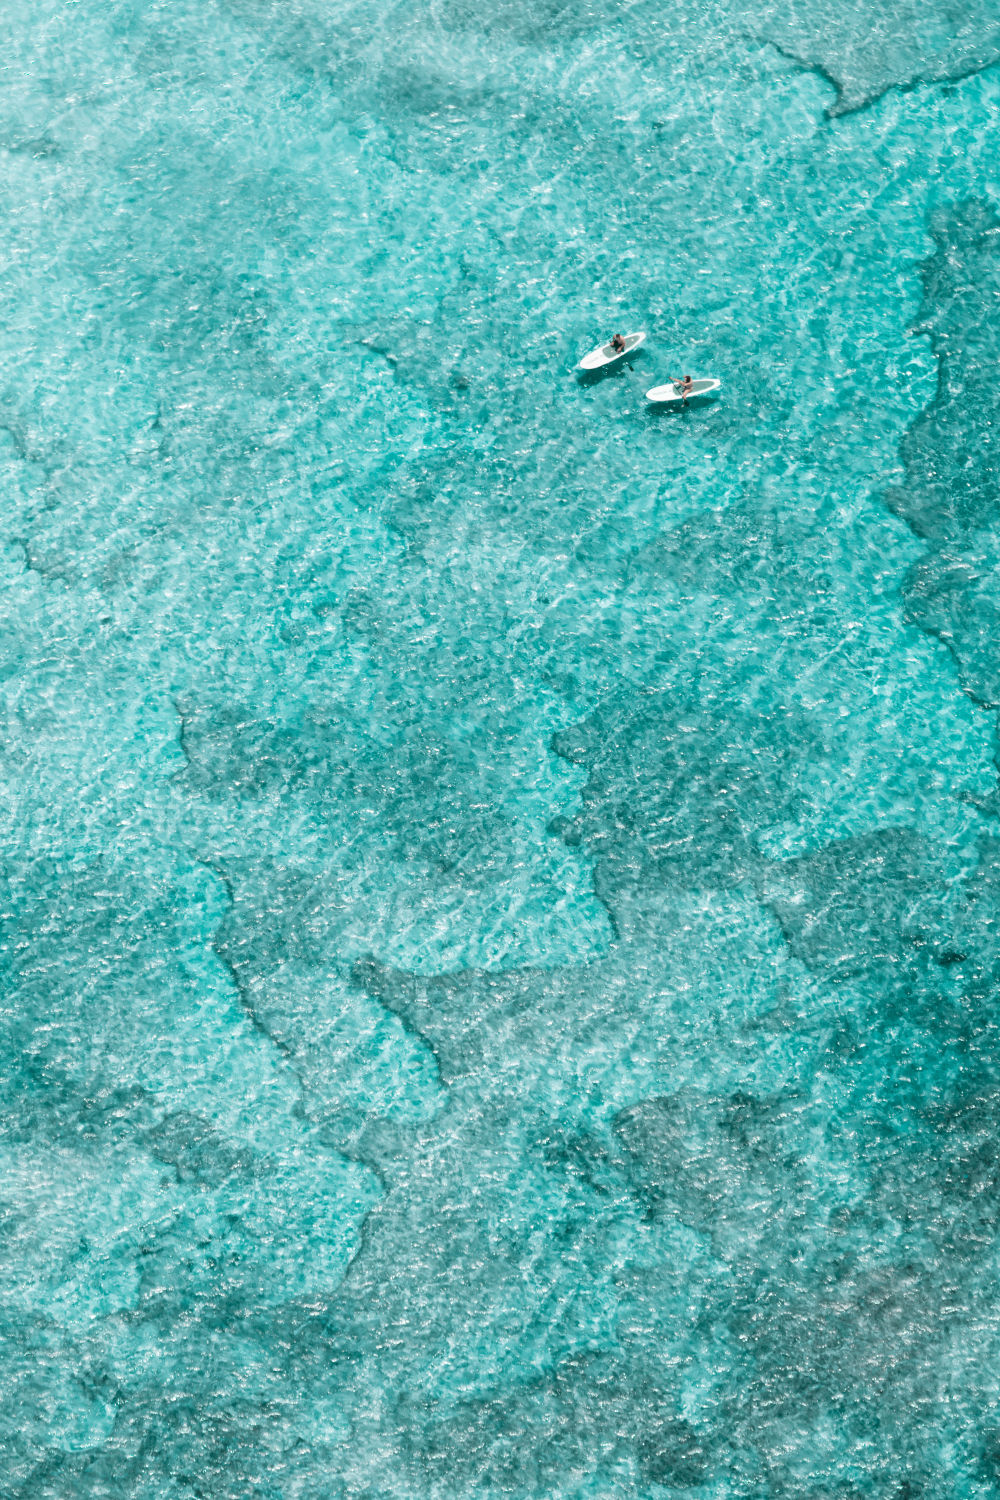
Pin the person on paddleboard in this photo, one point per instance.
(683, 387)
(618, 343)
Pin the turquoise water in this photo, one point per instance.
(501, 884)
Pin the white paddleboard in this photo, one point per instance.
(674, 392)
(606, 354)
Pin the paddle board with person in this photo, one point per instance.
(616, 348)
(681, 390)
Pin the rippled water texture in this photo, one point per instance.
(500, 938)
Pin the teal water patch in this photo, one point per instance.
(863, 53)
(950, 453)
(500, 883)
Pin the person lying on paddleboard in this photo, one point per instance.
(684, 387)
(618, 343)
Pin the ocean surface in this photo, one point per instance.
(501, 962)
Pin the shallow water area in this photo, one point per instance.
(500, 882)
